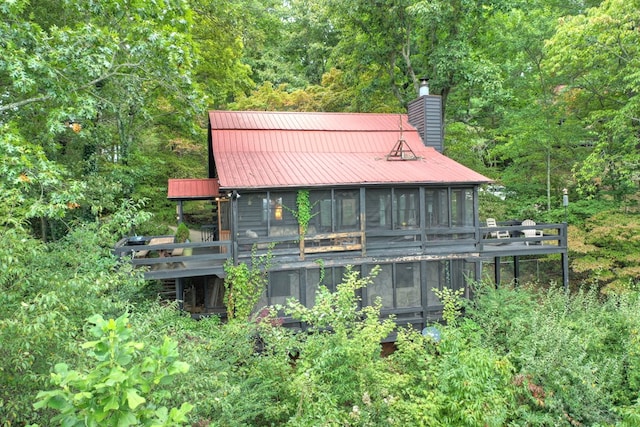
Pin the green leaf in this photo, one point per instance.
(112, 403)
(127, 419)
(134, 399)
(178, 367)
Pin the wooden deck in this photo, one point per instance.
(163, 259)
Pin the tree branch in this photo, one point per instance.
(19, 104)
(114, 72)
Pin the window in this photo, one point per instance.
(397, 285)
(277, 209)
(283, 285)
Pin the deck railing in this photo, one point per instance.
(550, 234)
(162, 258)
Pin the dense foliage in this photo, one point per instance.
(520, 356)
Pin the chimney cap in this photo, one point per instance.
(424, 86)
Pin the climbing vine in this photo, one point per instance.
(245, 283)
(303, 214)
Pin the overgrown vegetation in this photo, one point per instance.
(521, 356)
(244, 283)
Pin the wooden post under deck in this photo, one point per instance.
(180, 293)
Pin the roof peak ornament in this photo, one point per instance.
(401, 150)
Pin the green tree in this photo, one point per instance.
(596, 55)
(218, 31)
(85, 85)
(87, 82)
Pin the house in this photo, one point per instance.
(379, 192)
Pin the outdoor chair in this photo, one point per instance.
(498, 234)
(531, 232)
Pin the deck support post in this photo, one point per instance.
(516, 269)
(497, 270)
(180, 212)
(565, 270)
(180, 293)
(477, 277)
(234, 226)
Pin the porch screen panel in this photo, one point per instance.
(435, 280)
(331, 277)
(437, 208)
(382, 287)
(452, 274)
(281, 219)
(347, 210)
(406, 208)
(378, 209)
(462, 213)
(322, 211)
(462, 207)
(461, 272)
(284, 285)
(252, 214)
(224, 214)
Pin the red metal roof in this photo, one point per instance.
(289, 149)
(185, 189)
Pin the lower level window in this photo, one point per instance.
(397, 286)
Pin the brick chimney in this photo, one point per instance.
(425, 114)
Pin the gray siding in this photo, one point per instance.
(425, 114)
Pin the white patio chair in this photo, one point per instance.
(531, 232)
(498, 234)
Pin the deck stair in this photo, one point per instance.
(167, 289)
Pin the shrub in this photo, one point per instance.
(574, 355)
(120, 389)
(182, 233)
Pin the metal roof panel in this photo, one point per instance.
(184, 189)
(278, 149)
